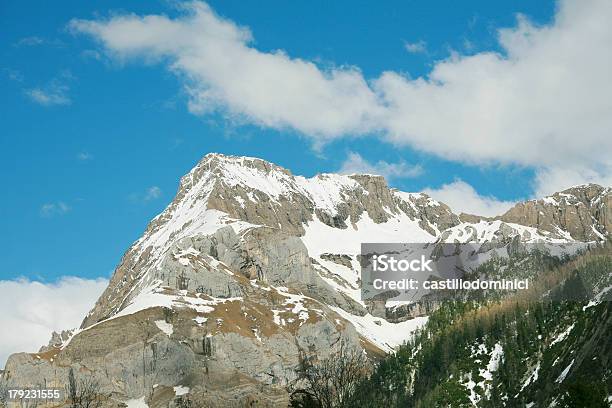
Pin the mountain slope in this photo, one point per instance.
(582, 212)
(250, 267)
(549, 347)
(329, 213)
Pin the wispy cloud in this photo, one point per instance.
(37, 309)
(419, 47)
(150, 194)
(153, 193)
(468, 45)
(55, 93)
(56, 208)
(13, 74)
(33, 41)
(49, 96)
(356, 164)
(176, 142)
(29, 41)
(84, 156)
(91, 54)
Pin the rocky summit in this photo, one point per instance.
(250, 266)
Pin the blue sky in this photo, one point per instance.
(105, 105)
(93, 145)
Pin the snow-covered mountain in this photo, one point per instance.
(249, 265)
(328, 214)
(582, 212)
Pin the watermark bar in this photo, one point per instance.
(410, 271)
(35, 395)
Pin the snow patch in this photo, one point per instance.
(165, 327)
(200, 320)
(597, 299)
(533, 377)
(295, 302)
(180, 390)
(562, 336)
(320, 238)
(564, 373)
(387, 336)
(137, 403)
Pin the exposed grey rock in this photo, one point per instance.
(57, 339)
(585, 212)
(340, 259)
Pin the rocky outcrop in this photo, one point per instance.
(471, 218)
(252, 343)
(433, 215)
(57, 339)
(584, 212)
(295, 201)
(340, 259)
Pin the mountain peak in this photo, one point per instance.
(229, 162)
(582, 212)
(586, 192)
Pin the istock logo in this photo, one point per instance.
(383, 263)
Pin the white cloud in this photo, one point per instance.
(31, 310)
(29, 41)
(33, 41)
(53, 93)
(468, 45)
(150, 194)
(461, 197)
(48, 97)
(418, 47)
(84, 156)
(57, 208)
(221, 71)
(548, 181)
(355, 164)
(153, 193)
(91, 54)
(543, 103)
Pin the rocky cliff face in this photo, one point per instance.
(258, 199)
(249, 266)
(583, 213)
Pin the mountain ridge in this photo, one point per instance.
(249, 266)
(248, 192)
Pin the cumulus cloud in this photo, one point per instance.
(355, 164)
(418, 47)
(221, 71)
(461, 197)
(549, 181)
(51, 209)
(542, 102)
(32, 310)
